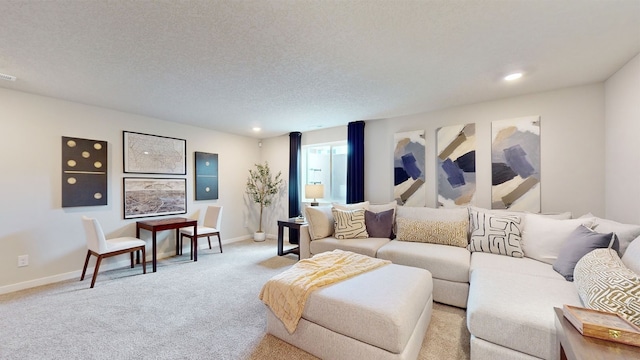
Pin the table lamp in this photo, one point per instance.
(314, 191)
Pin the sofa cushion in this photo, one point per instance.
(605, 283)
(367, 246)
(320, 221)
(543, 237)
(494, 233)
(444, 262)
(524, 265)
(580, 242)
(349, 224)
(631, 257)
(379, 224)
(516, 310)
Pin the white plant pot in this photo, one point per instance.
(259, 236)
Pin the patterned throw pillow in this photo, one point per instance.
(496, 234)
(604, 283)
(349, 224)
(436, 232)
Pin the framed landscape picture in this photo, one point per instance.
(144, 197)
(152, 154)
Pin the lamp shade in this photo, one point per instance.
(314, 191)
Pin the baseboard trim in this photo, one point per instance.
(105, 267)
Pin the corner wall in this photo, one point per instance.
(622, 153)
(32, 220)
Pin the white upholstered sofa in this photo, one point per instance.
(509, 288)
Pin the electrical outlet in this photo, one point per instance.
(23, 260)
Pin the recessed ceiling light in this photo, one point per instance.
(256, 129)
(514, 76)
(7, 77)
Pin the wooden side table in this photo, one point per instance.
(293, 225)
(574, 346)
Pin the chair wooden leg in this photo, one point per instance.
(144, 261)
(194, 241)
(86, 262)
(132, 258)
(180, 244)
(95, 272)
(209, 240)
(220, 243)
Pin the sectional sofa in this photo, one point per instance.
(508, 269)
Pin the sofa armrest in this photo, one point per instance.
(304, 242)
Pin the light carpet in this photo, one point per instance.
(186, 310)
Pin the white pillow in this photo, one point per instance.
(377, 208)
(624, 232)
(360, 205)
(320, 221)
(631, 257)
(543, 237)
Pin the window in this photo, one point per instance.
(326, 164)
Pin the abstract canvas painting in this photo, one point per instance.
(84, 172)
(206, 179)
(456, 159)
(408, 168)
(515, 164)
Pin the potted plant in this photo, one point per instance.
(262, 187)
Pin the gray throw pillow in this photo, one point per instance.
(379, 225)
(579, 243)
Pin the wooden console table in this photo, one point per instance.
(168, 224)
(574, 346)
(292, 225)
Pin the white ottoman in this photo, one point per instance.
(380, 314)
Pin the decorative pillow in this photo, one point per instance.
(604, 283)
(349, 224)
(433, 231)
(543, 237)
(360, 205)
(495, 233)
(383, 207)
(320, 221)
(580, 242)
(379, 225)
(624, 232)
(631, 257)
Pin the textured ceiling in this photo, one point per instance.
(298, 65)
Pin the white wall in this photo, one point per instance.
(32, 220)
(622, 155)
(572, 147)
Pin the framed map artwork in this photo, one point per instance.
(144, 197)
(152, 154)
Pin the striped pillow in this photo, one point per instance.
(349, 224)
(605, 283)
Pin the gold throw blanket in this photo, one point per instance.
(286, 293)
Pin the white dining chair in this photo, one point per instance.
(210, 227)
(101, 247)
